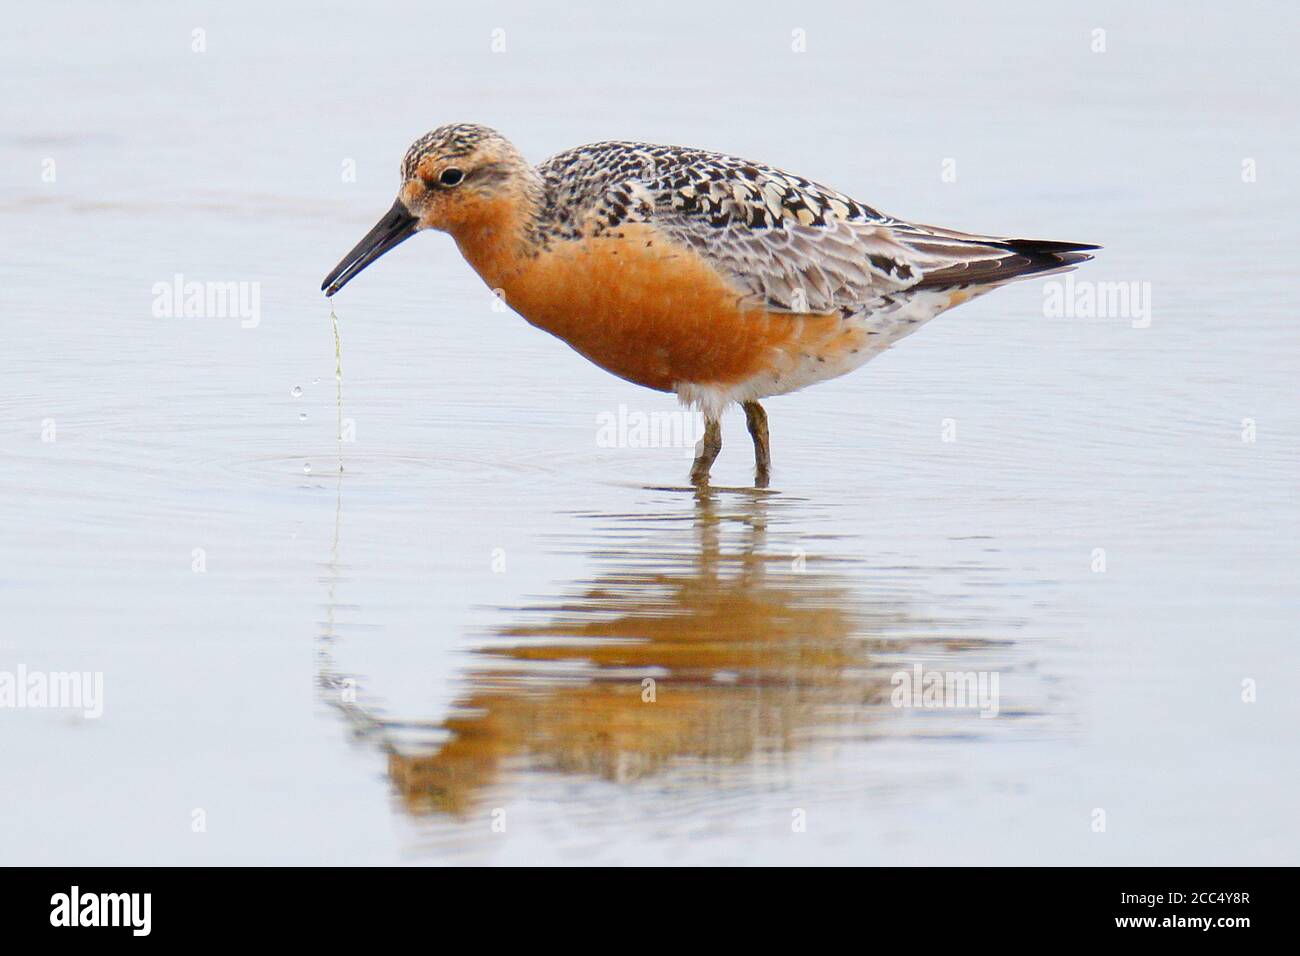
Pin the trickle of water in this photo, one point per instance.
(338, 382)
(338, 355)
(296, 391)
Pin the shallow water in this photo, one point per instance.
(430, 642)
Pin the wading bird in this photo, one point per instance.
(687, 271)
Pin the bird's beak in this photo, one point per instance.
(396, 227)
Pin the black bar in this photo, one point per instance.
(331, 906)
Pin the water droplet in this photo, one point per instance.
(306, 468)
(302, 416)
(316, 380)
(296, 391)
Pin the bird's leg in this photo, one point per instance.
(708, 449)
(756, 420)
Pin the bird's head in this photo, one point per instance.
(458, 178)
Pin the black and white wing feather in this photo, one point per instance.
(788, 244)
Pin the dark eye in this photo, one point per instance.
(451, 176)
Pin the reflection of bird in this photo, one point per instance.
(722, 280)
(747, 650)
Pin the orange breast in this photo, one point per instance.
(648, 311)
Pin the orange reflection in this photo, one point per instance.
(693, 642)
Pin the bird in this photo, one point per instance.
(722, 280)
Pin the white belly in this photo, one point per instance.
(861, 337)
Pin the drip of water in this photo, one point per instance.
(338, 382)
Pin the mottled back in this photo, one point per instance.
(786, 242)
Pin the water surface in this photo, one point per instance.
(440, 653)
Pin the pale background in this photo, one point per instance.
(1121, 690)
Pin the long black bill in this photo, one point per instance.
(396, 227)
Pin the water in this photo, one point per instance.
(432, 607)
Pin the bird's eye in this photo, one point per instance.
(451, 176)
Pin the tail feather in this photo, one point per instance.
(1006, 260)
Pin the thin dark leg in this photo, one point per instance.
(709, 447)
(756, 420)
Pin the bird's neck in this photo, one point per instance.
(505, 234)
